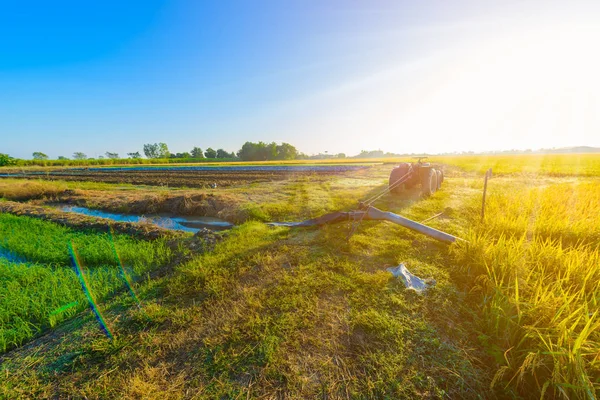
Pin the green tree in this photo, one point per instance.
(270, 151)
(223, 154)
(156, 150)
(247, 152)
(197, 152)
(6, 160)
(370, 154)
(267, 151)
(257, 151)
(286, 152)
(163, 150)
(210, 153)
(112, 155)
(134, 155)
(79, 155)
(151, 150)
(62, 158)
(185, 154)
(38, 155)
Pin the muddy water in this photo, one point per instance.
(188, 224)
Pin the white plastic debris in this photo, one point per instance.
(410, 281)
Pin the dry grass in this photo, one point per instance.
(19, 190)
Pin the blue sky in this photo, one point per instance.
(336, 76)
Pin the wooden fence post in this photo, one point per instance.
(488, 174)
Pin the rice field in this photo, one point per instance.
(312, 313)
(34, 290)
(534, 262)
(556, 165)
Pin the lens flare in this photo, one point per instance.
(126, 277)
(86, 289)
(64, 308)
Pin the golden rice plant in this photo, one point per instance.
(535, 261)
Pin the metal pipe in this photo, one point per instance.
(374, 213)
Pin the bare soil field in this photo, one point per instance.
(196, 177)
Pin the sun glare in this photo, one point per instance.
(300, 199)
(528, 89)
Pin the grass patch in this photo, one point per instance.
(46, 243)
(31, 293)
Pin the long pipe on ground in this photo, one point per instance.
(376, 214)
(373, 213)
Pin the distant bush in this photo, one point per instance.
(5, 160)
(38, 155)
(156, 150)
(267, 152)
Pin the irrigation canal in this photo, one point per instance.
(188, 224)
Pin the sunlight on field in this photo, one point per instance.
(543, 164)
(515, 309)
(535, 260)
(300, 200)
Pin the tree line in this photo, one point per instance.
(250, 151)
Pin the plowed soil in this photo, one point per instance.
(221, 177)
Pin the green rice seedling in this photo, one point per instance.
(30, 294)
(47, 243)
(34, 296)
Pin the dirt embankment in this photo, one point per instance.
(224, 206)
(219, 204)
(77, 221)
